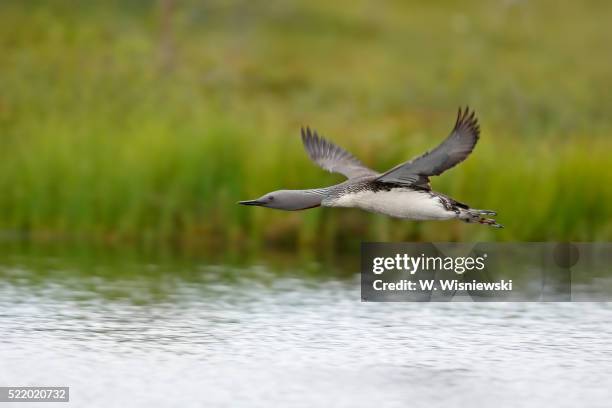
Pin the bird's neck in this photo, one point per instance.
(311, 198)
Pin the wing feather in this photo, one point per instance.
(331, 157)
(452, 151)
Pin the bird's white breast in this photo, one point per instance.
(397, 202)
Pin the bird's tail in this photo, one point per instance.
(472, 215)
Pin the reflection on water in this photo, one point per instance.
(143, 331)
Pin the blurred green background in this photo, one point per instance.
(143, 122)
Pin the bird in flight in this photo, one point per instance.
(402, 192)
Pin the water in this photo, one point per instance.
(191, 334)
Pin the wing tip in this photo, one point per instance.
(467, 120)
(314, 143)
(304, 133)
(309, 135)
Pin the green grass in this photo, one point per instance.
(113, 128)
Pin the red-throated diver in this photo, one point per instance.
(402, 192)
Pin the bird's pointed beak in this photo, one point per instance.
(250, 202)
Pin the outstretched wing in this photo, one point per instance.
(452, 151)
(333, 158)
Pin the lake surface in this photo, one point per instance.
(127, 332)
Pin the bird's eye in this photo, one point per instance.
(270, 198)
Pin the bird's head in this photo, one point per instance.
(288, 200)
